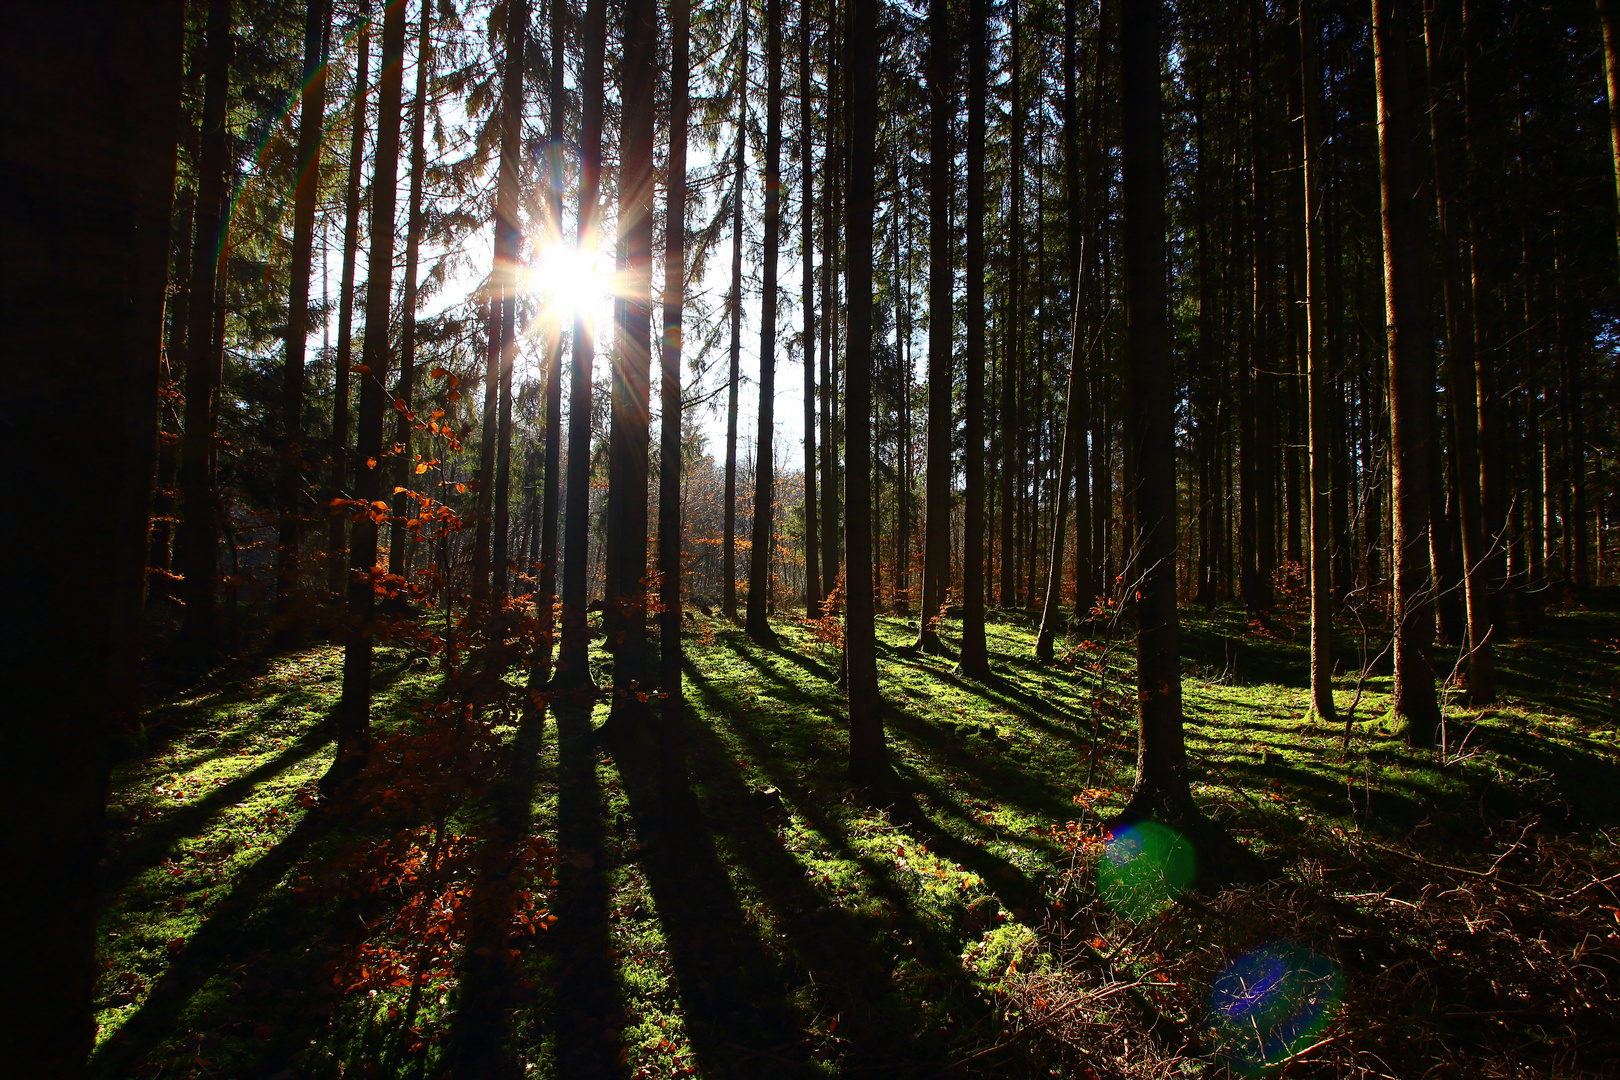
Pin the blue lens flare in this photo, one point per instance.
(1270, 1003)
(1145, 867)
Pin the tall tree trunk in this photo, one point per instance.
(868, 758)
(832, 170)
(627, 463)
(546, 592)
(573, 667)
(812, 522)
(728, 552)
(759, 555)
(941, 329)
(1319, 435)
(672, 744)
(405, 418)
(317, 14)
(1611, 72)
(508, 237)
(89, 96)
(975, 659)
(1411, 381)
(337, 550)
(199, 532)
(1460, 364)
(354, 710)
(490, 316)
(1161, 763)
(1012, 366)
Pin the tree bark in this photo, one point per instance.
(317, 15)
(1411, 403)
(868, 758)
(199, 532)
(573, 667)
(941, 328)
(508, 238)
(728, 551)
(1011, 367)
(672, 744)
(812, 525)
(546, 590)
(405, 418)
(337, 549)
(354, 710)
(759, 554)
(975, 658)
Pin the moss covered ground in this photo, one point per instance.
(1455, 913)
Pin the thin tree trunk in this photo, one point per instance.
(1320, 438)
(759, 555)
(812, 523)
(1411, 381)
(289, 485)
(337, 550)
(1012, 367)
(672, 744)
(975, 658)
(354, 710)
(573, 667)
(508, 237)
(405, 419)
(199, 533)
(546, 592)
(941, 427)
(491, 318)
(728, 552)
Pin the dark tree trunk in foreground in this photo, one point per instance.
(975, 660)
(508, 237)
(198, 538)
(354, 710)
(1320, 438)
(84, 232)
(545, 601)
(291, 474)
(759, 554)
(728, 551)
(405, 418)
(1161, 763)
(1611, 71)
(1011, 369)
(573, 668)
(337, 548)
(812, 521)
(1411, 379)
(627, 455)
(868, 759)
(672, 744)
(937, 513)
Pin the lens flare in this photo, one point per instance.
(1145, 866)
(566, 278)
(1269, 1003)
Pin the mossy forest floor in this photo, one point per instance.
(1457, 913)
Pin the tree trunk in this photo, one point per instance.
(405, 418)
(573, 666)
(812, 527)
(1011, 366)
(354, 710)
(868, 758)
(672, 745)
(546, 591)
(975, 659)
(198, 554)
(728, 551)
(1411, 381)
(1319, 436)
(508, 237)
(289, 485)
(1161, 763)
(759, 555)
(337, 549)
(89, 96)
(937, 514)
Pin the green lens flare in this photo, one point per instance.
(1145, 866)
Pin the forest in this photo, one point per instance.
(811, 538)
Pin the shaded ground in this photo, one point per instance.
(558, 920)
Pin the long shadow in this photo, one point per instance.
(734, 992)
(588, 1017)
(146, 849)
(492, 972)
(232, 929)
